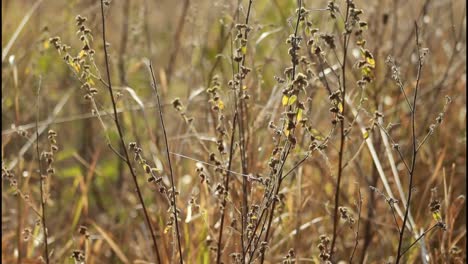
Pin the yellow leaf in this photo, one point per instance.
(220, 104)
(76, 66)
(244, 87)
(299, 114)
(292, 99)
(365, 135)
(285, 100)
(366, 71)
(90, 81)
(146, 168)
(340, 107)
(314, 132)
(244, 50)
(371, 61)
(361, 42)
(81, 54)
(437, 216)
(46, 44)
(167, 229)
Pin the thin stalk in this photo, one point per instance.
(270, 220)
(419, 238)
(240, 108)
(356, 241)
(260, 218)
(226, 189)
(342, 133)
(287, 145)
(122, 141)
(41, 180)
(368, 232)
(394, 215)
(171, 173)
(415, 148)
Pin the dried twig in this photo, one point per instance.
(171, 173)
(122, 141)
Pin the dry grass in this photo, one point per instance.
(272, 134)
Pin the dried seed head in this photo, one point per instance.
(82, 230)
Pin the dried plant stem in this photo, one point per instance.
(122, 141)
(356, 239)
(342, 132)
(278, 185)
(392, 208)
(286, 150)
(171, 173)
(378, 166)
(240, 105)
(419, 238)
(370, 213)
(264, 212)
(19, 219)
(226, 190)
(415, 147)
(41, 180)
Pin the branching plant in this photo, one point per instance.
(273, 132)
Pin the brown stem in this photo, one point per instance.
(122, 142)
(356, 239)
(173, 196)
(278, 185)
(419, 238)
(342, 133)
(240, 105)
(41, 182)
(287, 145)
(226, 190)
(415, 150)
